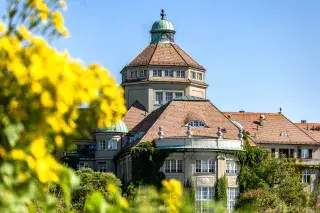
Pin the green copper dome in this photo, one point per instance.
(162, 26)
(120, 127)
(162, 31)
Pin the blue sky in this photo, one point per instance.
(259, 55)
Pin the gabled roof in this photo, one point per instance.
(135, 114)
(172, 117)
(312, 129)
(164, 54)
(274, 125)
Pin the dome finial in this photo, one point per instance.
(162, 14)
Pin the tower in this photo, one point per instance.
(162, 71)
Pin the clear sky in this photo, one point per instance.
(259, 54)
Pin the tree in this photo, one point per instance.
(267, 182)
(41, 90)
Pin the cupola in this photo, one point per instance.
(162, 31)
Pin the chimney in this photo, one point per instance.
(261, 120)
(303, 121)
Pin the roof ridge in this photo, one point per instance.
(155, 48)
(272, 113)
(300, 128)
(180, 54)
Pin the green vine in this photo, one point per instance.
(221, 190)
(190, 187)
(147, 160)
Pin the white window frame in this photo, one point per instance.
(181, 74)
(203, 196)
(157, 73)
(304, 153)
(306, 176)
(168, 99)
(232, 167)
(103, 167)
(196, 123)
(173, 166)
(158, 102)
(199, 76)
(112, 144)
(205, 166)
(232, 195)
(175, 94)
(193, 75)
(168, 73)
(102, 145)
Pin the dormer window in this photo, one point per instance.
(143, 73)
(199, 76)
(284, 134)
(196, 124)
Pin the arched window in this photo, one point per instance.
(196, 124)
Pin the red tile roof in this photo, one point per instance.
(172, 117)
(164, 54)
(312, 129)
(135, 114)
(270, 132)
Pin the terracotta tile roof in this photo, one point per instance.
(135, 114)
(312, 129)
(270, 132)
(172, 117)
(164, 54)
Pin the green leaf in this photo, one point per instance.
(95, 203)
(12, 132)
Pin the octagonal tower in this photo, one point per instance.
(162, 71)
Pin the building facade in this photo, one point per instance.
(165, 92)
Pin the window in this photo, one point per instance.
(232, 167)
(168, 73)
(306, 176)
(145, 73)
(181, 74)
(232, 194)
(305, 153)
(83, 165)
(159, 98)
(288, 153)
(196, 124)
(178, 94)
(157, 73)
(203, 166)
(169, 96)
(141, 73)
(193, 75)
(112, 144)
(273, 152)
(133, 74)
(283, 134)
(173, 166)
(204, 195)
(199, 76)
(102, 145)
(102, 167)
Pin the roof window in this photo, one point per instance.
(196, 124)
(284, 134)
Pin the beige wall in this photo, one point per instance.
(202, 179)
(196, 91)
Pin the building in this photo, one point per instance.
(281, 137)
(165, 92)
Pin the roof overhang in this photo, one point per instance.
(199, 144)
